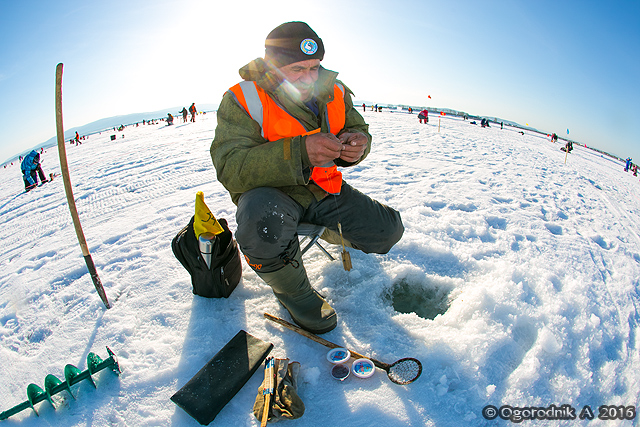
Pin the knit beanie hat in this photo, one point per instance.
(293, 42)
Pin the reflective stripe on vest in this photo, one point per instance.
(276, 123)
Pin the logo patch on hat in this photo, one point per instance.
(308, 46)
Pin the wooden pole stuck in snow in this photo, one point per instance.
(64, 166)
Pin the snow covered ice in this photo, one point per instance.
(524, 270)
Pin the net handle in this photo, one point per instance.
(381, 365)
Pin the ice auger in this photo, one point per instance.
(53, 385)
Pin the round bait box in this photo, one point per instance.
(338, 355)
(363, 368)
(340, 371)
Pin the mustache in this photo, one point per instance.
(296, 90)
(304, 86)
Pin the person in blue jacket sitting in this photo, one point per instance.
(31, 168)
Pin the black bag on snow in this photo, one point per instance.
(226, 268)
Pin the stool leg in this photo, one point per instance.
(323, 249)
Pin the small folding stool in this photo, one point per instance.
(312, 232)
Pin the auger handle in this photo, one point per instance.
(21, 407)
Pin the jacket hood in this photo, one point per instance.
(32, 155)
(28, 163)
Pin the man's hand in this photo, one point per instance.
(353, 146)
(323, 148)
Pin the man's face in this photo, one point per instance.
(302, 76)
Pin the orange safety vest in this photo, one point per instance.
(276, 123)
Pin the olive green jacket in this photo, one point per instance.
(244, 160)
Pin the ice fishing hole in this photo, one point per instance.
(419, 298)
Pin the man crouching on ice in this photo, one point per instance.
(280, 135)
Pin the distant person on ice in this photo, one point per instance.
(276, 149)
(169, 119)
(424, 115)
(31, 169)
(193, 112)
(568, 147)
(184, 115)
(628, 165)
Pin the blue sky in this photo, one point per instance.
(555, 65)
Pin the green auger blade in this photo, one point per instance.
(93, 363)
(74, 375)
(53, 385)
(35, 394)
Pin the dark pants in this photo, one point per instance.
(34, 175)
(268, 219)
